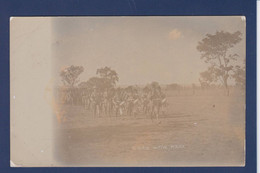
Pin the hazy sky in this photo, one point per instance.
(140, 49)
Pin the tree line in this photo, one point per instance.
(215, 52)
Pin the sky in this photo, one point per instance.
(139, 49)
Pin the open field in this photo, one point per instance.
(196, 130)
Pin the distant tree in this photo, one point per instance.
(215, 52)
(84, 85)
(193, 88)
(155, 86)
(69, 75)
(204, 84)
(96, 83)
(108, 75)
(207, 77)
(173, 86)
(131, 89)
(240, 76)
(153, 89)
(147, 89)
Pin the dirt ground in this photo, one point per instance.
(194, 131)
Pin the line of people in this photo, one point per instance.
(130, 101)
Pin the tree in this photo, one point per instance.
(131, 89)
(153, 89)
(173, 86)
(69, 75)
(97, 83)
(109, 76)
(215, 52)
(240, 76)
(207, 77)
(204, 84)
(84, 84)
(147, 89)
(156, 86)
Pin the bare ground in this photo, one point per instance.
(195, 131)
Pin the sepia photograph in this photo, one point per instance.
(128, 91)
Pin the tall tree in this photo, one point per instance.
(108, 75)
(69, 75)
(215, 52)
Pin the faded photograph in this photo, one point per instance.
(136, 91)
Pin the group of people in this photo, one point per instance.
(129, 101)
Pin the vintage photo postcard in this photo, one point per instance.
(136, 91)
